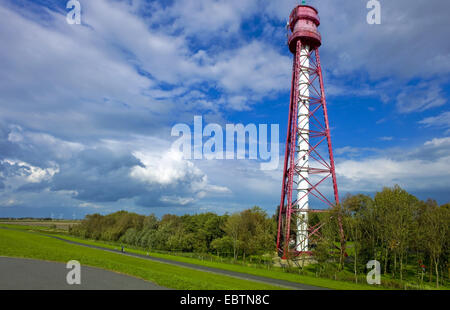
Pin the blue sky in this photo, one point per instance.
(86, 111)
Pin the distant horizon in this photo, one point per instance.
(160, 215)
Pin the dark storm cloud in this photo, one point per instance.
(6, 147)
(33, 187)
(98, 175)
(42, 164)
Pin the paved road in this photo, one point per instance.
(30, 274)
(282, 283)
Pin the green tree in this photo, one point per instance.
(233, 230)
(222, 245)
(436, 235)
(398, 222)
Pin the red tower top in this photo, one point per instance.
(303, 22)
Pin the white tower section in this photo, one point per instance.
(302, 204)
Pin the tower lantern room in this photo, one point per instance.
(303, 23)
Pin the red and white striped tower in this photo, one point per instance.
(306, 166)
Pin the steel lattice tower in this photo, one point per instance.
(306, 166)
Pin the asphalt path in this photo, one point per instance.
(244, 276)
(31, 274)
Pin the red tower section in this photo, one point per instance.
(306, 164)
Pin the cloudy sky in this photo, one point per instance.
(86, 110)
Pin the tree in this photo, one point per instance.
(257, 232)
(398, 222)
(352, 205)
(326, 252)
(251, 231)
(436, 234)
(233, 230)
(222, 245)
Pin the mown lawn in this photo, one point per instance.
(20, 243)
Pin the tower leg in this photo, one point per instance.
(282, 208)
(330, 149)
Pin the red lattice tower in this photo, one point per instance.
(306, 166)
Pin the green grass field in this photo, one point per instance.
(24, 244)
(274, 273)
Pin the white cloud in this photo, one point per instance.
(90, 205)
(164, 169)
(358, 58)
(58, 148)
(170, 169)
(413, 169)
(208, 18)
(93, 72)
(27, 173)
(256, 67)
(421, 97)
(439, 142)
(395, 48)
(177, 200)
(441, 120)
(9, 202)
(253, 66)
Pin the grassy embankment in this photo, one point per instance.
(275, 273)
(272, 273)
(21, 243)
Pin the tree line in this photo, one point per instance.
(250, 232)
(409, 237)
